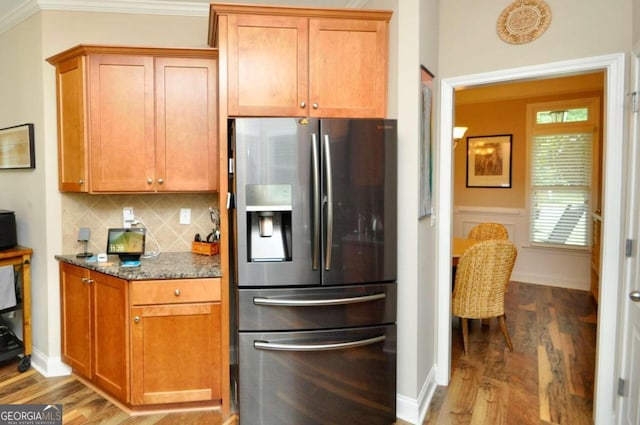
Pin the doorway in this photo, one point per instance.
(612, 177)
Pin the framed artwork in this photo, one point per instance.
(17, 147)
(426, 118)
(489, 161)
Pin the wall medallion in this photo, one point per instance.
(523, 21)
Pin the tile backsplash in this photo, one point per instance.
(159, 213)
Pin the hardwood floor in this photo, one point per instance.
(547, 379)
(81, 405)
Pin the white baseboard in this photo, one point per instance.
(414, 411)
(48, 366)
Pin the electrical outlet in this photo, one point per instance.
(127, 217)
(185, 215)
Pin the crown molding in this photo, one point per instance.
(150, 7)
(19, 14)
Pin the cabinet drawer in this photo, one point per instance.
(175, 291)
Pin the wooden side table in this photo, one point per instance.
(20, 256)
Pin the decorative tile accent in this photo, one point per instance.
(159, 213)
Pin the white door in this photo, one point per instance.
(629, 406)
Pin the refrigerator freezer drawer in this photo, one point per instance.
(318, 377)
(316, 308)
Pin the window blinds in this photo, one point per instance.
(561, 188)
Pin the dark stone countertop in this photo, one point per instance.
(167, 265)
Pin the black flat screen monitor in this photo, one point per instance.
(128, 244)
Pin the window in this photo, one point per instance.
(561, 147)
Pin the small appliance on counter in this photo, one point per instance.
(127, 243)
(8, 238)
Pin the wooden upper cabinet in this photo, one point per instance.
(71, 105)
(294, 61)
(348, 64)
(267, 66)
(186, 131)
(121, 130)
(137, 119)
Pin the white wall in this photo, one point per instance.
(469, 43)
(25, 191)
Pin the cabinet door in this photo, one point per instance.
(75, 303)
(186, 139)
(176, 353)
(348, 63)
(268, 66)
(111, 340)
(71, 106)
(121, 129)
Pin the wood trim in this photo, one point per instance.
(218, 9)
(223, 191)
(174, 52)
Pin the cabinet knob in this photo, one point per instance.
(149, 181)
(315, 106)
(80, 182)
(160, 181)
(136, 319)
(303, 104)
(634, 296)
(177, 292)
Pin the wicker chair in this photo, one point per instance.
(488, 231)
(481, 281)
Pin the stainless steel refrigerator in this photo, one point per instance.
(315, 265)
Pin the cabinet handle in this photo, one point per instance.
(303, 104)
(149, 181)
(87, 280)
(160, 181)
(136, 319)
(315, 106)
(177, 292)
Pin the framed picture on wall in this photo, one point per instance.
(489, 161)
(426, 118)
(17, 147)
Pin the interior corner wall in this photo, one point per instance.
(429, 27)
(417, 41)
(24, 191)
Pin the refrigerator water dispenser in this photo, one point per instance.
(269, 209)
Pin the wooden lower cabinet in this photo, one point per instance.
(175, 353)
(144, 342)
(111, 369)
(94, 327)
(75, 314)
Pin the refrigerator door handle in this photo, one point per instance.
(283, 302)
(265, 345)
(315, 163)
(329, 200)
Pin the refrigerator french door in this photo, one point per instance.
(315, 269)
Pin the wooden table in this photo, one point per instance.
(20, 256)
(458, 247)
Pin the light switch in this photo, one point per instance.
(185, 215)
